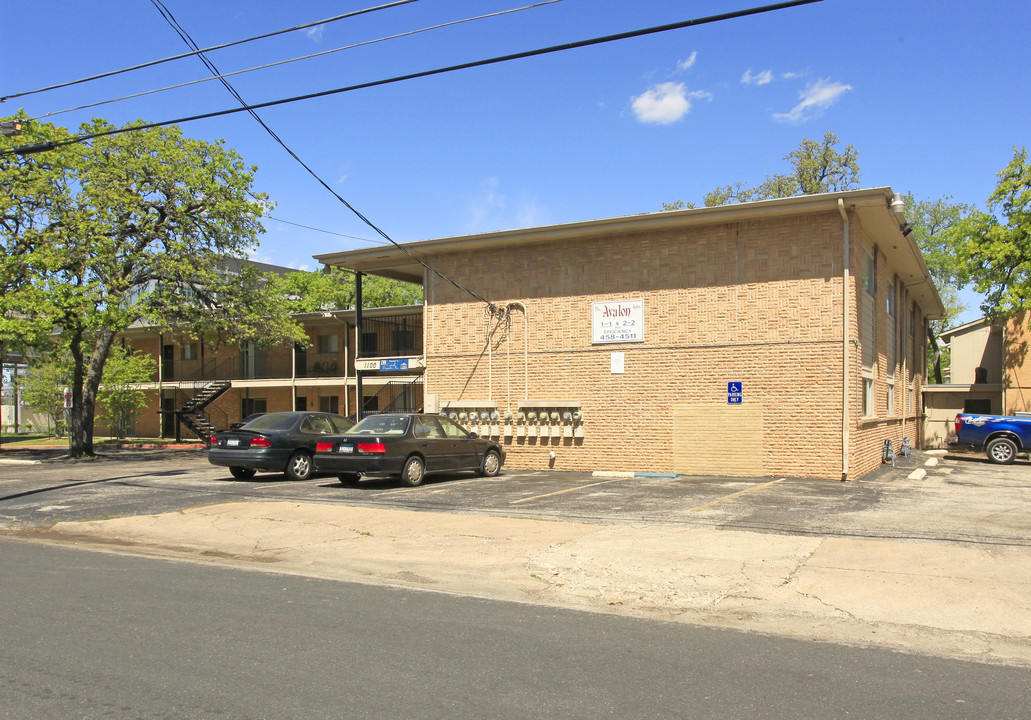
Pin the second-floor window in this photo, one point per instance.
(190, 351)
(329, 344)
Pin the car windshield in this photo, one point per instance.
(381, 425)
(272, 421)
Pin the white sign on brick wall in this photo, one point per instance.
(617, 322)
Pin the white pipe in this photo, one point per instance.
(845, 331)
(526, 349)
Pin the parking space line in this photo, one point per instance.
(567, 490)
(450, 483)
(737, 494)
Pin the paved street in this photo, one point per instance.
(89, 635)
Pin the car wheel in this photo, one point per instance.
(1002, 451)
(348, 478)
(242, 473)
(298, 467)
(491, 464)
(414, 471)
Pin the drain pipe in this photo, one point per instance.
(845, 331)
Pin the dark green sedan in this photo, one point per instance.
(275, 442)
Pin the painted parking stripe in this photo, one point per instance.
(449, 483)
(567, 490)
(714, 503)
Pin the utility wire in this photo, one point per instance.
(42, 147)
(296, 59)
(214, 47)
(189, 41)
(327, 232)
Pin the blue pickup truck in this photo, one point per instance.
(1001, 437)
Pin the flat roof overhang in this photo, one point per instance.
(873, 206)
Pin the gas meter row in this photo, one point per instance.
(550, 422)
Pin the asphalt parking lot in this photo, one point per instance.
(961, 499)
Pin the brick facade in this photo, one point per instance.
(756, 302)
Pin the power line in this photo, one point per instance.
(41, 147)
(327, 232)
(189, 41)
(293, 60)
(213, 47)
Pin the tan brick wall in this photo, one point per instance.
(758, 303)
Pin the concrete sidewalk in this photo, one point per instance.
(945, 599)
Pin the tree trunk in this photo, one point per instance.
(85, 384)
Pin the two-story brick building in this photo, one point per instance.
(780, 337)
(247, 379)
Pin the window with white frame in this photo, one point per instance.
(891, 398)
(868, 406)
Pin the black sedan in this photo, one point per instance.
(276, 442)
(408, 445)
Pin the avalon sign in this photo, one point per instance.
(617, 322)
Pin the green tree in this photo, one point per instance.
(146, 225)
(996, 245)
(42, 388)
(933, 222)
(335, 289)
(120, 397)
(816, 167)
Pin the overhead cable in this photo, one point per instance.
(296, 59)
(152, 63)
(189, 41)
(40, 147)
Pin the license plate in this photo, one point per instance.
(233, 442)
(346, 449)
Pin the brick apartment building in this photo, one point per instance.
(241, 380)
(780, 337)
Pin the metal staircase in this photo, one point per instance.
(192, 414)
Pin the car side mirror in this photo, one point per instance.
(473, 435)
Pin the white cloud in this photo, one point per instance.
(817, 97)
(791, 75)
(315, 33)
(761, 78)
(662, 104)
(685, 64)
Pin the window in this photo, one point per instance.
(869, 274)
(891, 299)
(453, 429)
(250, 406)
(867, 397)
(891, 398)
(427, 428)
(190, 351)
(328, 344)
(978, 406)
(370, 343)
(329, 404)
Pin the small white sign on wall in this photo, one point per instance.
(618, 363)
(617, 322)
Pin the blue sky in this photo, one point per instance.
(934, 94)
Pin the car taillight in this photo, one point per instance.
(213, 440)
(372, 448)
(324, 447)
(260, 442)
(958, 423)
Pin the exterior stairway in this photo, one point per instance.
(192, 414)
